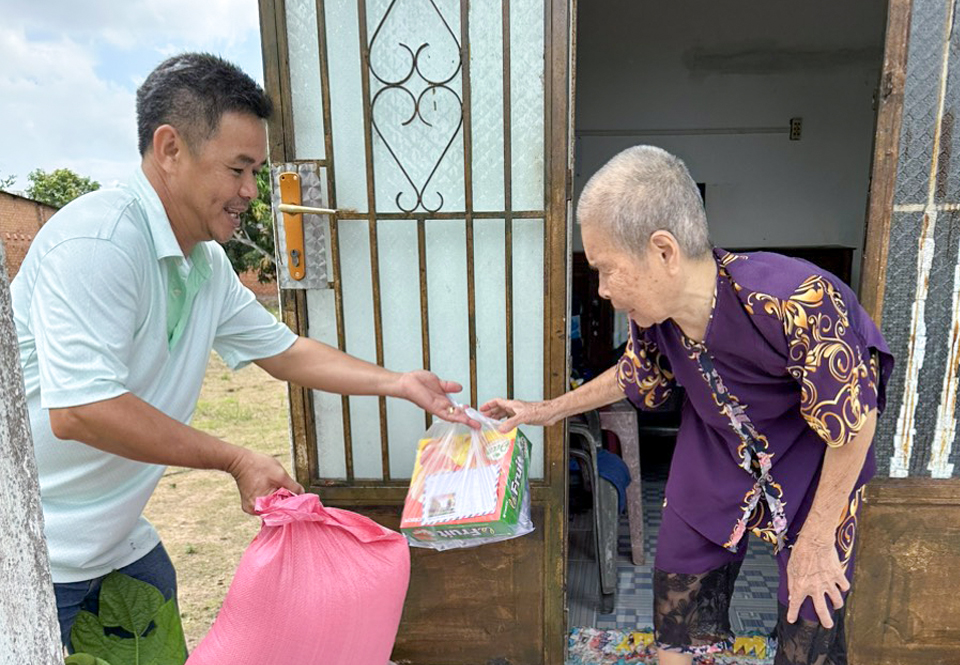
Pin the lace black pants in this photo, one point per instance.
(692, 615)
(692, 608)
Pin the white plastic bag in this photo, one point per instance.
(469, 487)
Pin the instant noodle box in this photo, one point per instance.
(469, 485)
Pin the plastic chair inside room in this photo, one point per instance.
(585, 444)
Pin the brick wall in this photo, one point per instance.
(20, 219)
(266, 293)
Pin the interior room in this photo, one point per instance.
(772, 107)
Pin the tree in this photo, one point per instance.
(58, 188)
(28, 610)
(6, 183)
(251, 247)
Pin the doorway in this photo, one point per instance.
(773, 109)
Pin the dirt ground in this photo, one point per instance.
(198, 512)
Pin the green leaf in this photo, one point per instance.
(139, 609)
(166, 644)
(87, 636)
(87, 633)
(84, 659)
(128, 603)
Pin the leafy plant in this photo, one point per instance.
(84, 659)
(252, 246)
(59, 187)
(7, 182)
(135, 626)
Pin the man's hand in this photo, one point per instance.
(427, 391)
(814, 570)
(259, 475)
(518, 412)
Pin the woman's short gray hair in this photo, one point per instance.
(645, 189)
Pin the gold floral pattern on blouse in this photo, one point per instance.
(730, 257)
(641, 366)
(847, 531)
(824, 357)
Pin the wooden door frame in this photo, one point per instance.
(886, 150)
(552, 490)
(889, 502)
(280, 136)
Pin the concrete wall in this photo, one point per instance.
(701, 66)
(20, 219)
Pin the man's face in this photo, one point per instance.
(217, 179)
(634, 285)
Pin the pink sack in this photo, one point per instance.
(317, 586)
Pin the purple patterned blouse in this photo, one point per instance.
(790, 364)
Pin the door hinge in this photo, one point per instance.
(569, 184)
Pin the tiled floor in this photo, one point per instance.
(754, 603)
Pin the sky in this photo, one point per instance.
(69, 71)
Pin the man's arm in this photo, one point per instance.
(814, 569)
(129, 427)
(312, 364)
(598, 392)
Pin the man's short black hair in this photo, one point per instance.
(191, 92)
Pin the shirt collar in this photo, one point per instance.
(164, 241)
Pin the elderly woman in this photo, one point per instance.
(784, 375)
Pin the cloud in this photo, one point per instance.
(131, 24)
(57, 110)
(69, 71)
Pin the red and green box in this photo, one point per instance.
(511, 452)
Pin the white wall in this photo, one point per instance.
(702, 64)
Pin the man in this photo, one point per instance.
(117, 305)
(784, 375)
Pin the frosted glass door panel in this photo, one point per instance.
(486, 104)
(490, 284)
(528, 324)
(328, 407)
(402, 334)
(415, 105)
(346, 103)
(527, 103)
(361, 342)
(447, 302)
(304, 45)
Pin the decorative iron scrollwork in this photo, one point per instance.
(406, 86)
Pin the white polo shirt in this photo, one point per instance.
(105, 303)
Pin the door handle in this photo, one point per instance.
(293, 212)
(296, 209)
(293, 225)
(304, 220)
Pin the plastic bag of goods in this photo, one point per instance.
(469, 487)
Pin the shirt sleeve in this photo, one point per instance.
(837, 371)
(643, 374)
(83, 314)
(247, 331)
